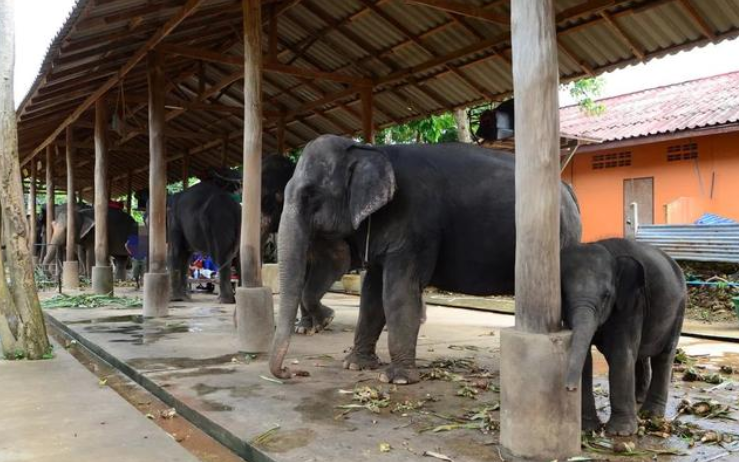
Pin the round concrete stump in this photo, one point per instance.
(102, 280)
(271, 276)
(156, 295)
(71, 275)
(255, 319)
(539, 418)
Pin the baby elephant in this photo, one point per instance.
(628, 299)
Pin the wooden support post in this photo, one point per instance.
(254, 312)
(129, 192)
(273, 32)
(32, 207)
(224, 151)
(531, 395)
(70, 270)
(156, 282)
(49, 192)
(102, 272)
(185, 171)
(281, 136)
(368, 127)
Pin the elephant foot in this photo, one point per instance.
(226, 299)
(400, 375)
(650, 409)
(591, 424)
(180, 298)
(621, 427)
(309, 325)
(357, 362)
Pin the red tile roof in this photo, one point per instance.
(688, 105)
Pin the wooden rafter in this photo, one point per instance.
(464, 9)
(698, 19)
(622, 34)
(165, 30)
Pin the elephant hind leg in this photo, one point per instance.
(643, 374)
(590, 420)
(656, 398)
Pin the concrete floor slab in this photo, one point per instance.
(56, 411)
(193, 357)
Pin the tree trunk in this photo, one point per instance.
(463, 125)
(22, 328)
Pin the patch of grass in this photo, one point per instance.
(86, 301)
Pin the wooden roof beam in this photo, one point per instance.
(586, 68)
(464, 9)
(268, 65)
(698, 19)
(158, 36)
(621, 33)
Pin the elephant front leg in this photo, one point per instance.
(621, 377)
(329, 262)
(370, 324)
(226, 294)
(590, 420)
(403, 311)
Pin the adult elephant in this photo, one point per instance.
(120, 226)
(441, 215)
(207, 218)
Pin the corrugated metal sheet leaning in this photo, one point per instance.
(707, 243)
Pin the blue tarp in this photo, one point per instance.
(711, 219)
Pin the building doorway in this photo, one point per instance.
(638, 204)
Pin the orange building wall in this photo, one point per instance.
(685, 184)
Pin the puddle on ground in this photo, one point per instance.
(179, 362)
(239, 391)
(314, 408)
(284, 441)
(215, 406)
(141, 332)
(196, 373)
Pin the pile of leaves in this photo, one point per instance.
(369, 398)
(90, 301)
(480, 418)
(43, 280)
(711, 303)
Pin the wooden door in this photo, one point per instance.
(639, 197)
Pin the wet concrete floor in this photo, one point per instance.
(193, 354)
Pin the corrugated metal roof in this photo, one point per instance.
(689, 105)
(422, 61)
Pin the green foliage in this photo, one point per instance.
(434, 129)
(585, 91)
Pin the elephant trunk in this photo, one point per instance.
(292, 245)
(584, 326)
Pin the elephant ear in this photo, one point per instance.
(371, 182)
(630, 284)
(88, 224)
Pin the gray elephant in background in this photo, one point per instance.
(120, 226)
(628, 299)
(419, 215)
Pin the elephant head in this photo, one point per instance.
(594, 284)
(337, 184)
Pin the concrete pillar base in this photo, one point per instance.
(539, 418)
(353, 282)
(271, 276)
(102, 280)
(255, 319)
(71, 275)
(156, 295)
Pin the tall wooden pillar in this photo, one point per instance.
(102, 272)
(531, 396)
(281, 135)
(129, 192)
(71, 270)
(49, 192)
(368, 127)
(156, 281)
(185, 171)
(254, 312)
(32, 207)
